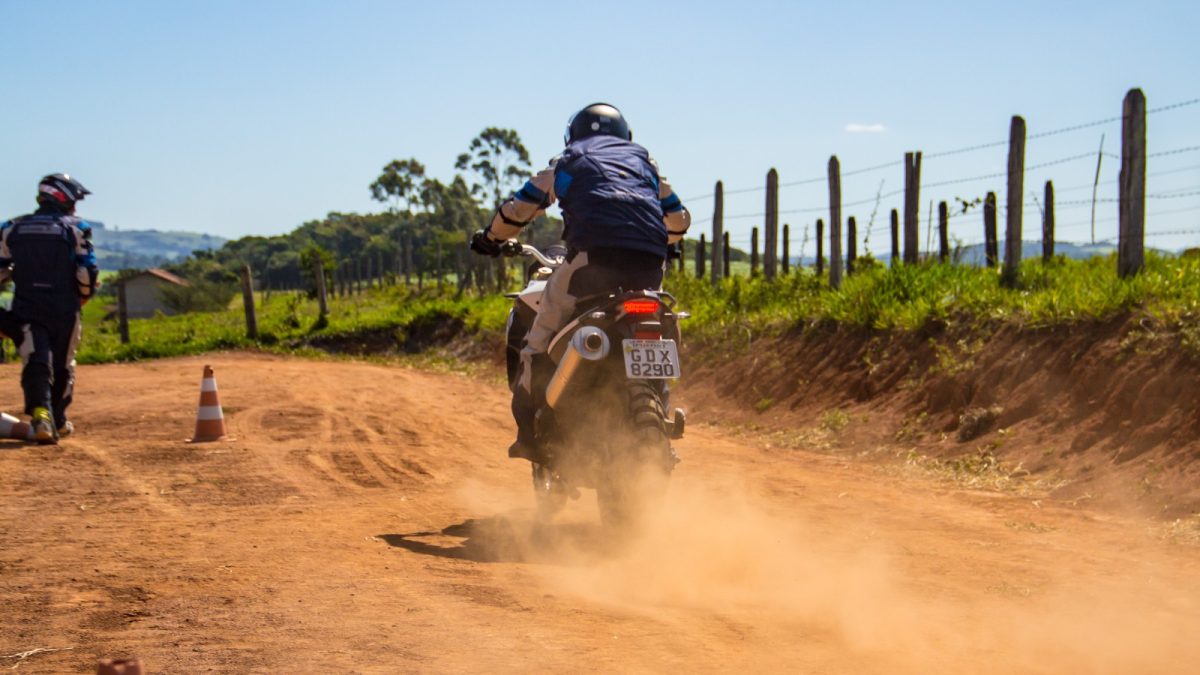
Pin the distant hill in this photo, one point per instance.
(119, 249)
(975, 254)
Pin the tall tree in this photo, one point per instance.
(400, 182)
(499, 162)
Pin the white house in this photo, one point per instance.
(142, 297)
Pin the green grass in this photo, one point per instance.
(285, 321)
(906, 298)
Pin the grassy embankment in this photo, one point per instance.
(286, 323)
(904, 299)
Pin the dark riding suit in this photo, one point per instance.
(619, 214)
(50, 259)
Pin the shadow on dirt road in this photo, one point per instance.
(509, 538)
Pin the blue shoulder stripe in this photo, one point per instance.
(562, 183)
(671, 204)
(86, 260)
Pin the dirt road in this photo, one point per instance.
(364, 519)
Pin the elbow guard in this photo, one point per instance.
(86, 278)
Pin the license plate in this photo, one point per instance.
(651, 359)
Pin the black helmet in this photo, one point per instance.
(61, 190)
(598, 119)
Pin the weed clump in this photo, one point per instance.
(974, 422)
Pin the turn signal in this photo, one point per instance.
(640, 306)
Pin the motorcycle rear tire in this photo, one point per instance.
(640, 461)
(551, 493)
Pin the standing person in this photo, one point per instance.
(619, 215)
(49, 256)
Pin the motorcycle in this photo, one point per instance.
(605, 424)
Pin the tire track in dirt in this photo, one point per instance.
(151, 495)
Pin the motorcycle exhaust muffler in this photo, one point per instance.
(587, 344)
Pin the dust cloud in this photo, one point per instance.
(840, 584)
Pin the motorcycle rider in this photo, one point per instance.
(619, 215)
(49, 256)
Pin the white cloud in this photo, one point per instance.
(857, 128)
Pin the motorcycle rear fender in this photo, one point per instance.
(614, 321)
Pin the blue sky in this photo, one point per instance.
(237, 118)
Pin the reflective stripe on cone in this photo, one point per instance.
(210, 422)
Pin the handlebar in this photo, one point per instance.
(513, 248)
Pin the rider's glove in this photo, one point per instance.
(483, 244)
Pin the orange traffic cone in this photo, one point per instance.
(119, 667)
(210, 422)
(11, 427)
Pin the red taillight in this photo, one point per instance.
(647, 335)
(640, 306)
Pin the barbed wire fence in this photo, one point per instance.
(1132, 199)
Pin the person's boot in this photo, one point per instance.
(524, 413)
(525, 406)
(43, 426)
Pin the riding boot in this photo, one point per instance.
(525, 406)
(524, 411)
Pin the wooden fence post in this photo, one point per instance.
(787, 249)
(1015, 200)
(719, 268)
(771, 233)
(754, 252)
(248, 303)
(408, 257)
(835, 222)
(943, 232)
(1131, 255)
(464, 266)
(820, 247)
(438, 268)
(319, 279)
(1048, 224)
(895, 238)
(700, 258)
(991, 243)
(122, 312)
(912, 205)
(725, 254)
(851, 244)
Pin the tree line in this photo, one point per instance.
(421, 231)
